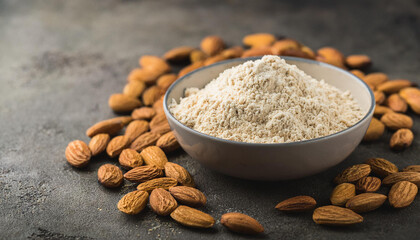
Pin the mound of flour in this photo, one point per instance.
(266, 101)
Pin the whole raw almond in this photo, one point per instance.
(332, 56)
(110, 176)
(381, 166)
(144, 140)
(358, 61)
(162, 128)
(379, 97)
(154, 63)
(381, 110)
(133, 202)
(98, 143)
(401, 139)
(159, 119)
(120, 103)
(396, 103)
(165, 183)
(78, 153)
(375, 79)
(191, 217)
(158, 106)
(295, 53)
(413, 177)
(366, 202)
(178, 54)
(143, 174)
(110, 126)
(168, 142)
(333, 215)
(233, 52)
(358, 73)
(259, 40)
(151, 94)
(215, 59)
(188, 196)
(283, 45)
(396, 121)
(375, 130)
(124, 119)
(368, 184)
(135, 129)
(412, 96)
(116, 145)
(145, 75)
(143, 113)
(394, 86)
(402, 194)
(241, 223)
(162, 202)
(130, 158)
(134, 89)
(353, 173)
(212, 45)
(176, 171)
(412, 168)
(296, 204)
(198, 56)
(255, 52)
(193, 66)
(153, 155)
(165, 81)
(308, 51)
(342, 193)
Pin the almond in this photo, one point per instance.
(150, 185)
(402, 194)
(198, 56)
(381, 110)
(366, 202)
(332, 56)
(143, 113)
(168, 142)
(396, 121)
(412, 168)
(154, 63)
(296, 204)
(110, 176)
(255, 52)
(281, 46)
(159, 119)
(295, 53)
(158, 106)
(241, 223)
(116, 145)
(342, 193)
(375, 130)
(401, 139)
(353, 173)
(162, 202)
(233, 52)
(161, 129)
(124, 119)
(78, 153)
(358, 61)
(165, 81)
(375, 79)
(333, 215)
(135, 129)
(144, 140)
(308, 51)
(130, 158)
(98, 143)
(178, 54)
(143, 174)
(134, 89)
(193, 66)
(382, 167)
(379, 97)
(151, 94)
(188, 196)
(358, 73)
(111, 126)
(368, 184)
(191, 217)
(412, 97)
(120, 103)
(259, 40)
(396, 103)
(212, 45)
(215, 59)
(148, 76)
(413, 177)
(394, 86)
(174, 170)
(133, 202)
(153, 155)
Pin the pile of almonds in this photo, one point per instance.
(169, 189)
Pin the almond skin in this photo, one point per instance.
(158, 106)
(130, 158)
(176, 171)
(402, 194)
(116, 145)
(382, 167)
(215, 59)
(281, 46)
(375, 79)
(162, 202)
(164, 183)
(191, 217)
(412, 96)
(413, 177)
(162, 128)
(178, 54)
(78, 153)
(151, 95)
(143, 174)
(366, 202)
(297, 204)
(110, 176)
(255, 52)
(395, 121)
(154, 156)
(368, 184)
(111, 126)
(144, 140)
(358, 73)
(358, 61)
(133, 202)
(134, 89)
(193, 66)
(124, 119)
(168, 142)
(143, 113)
(157, 120)
(165, 81)
(145, 75)
(394, 86)
(353, 173)
(401, 139)
(342, 193)
(233, 52)
(332, 56)
(98, 143)
(135, 129)
(333, 215)
(212, 45)
(381, 110)
(155, 64)
(259, 40)
(241, 223)
(396, 103)
(412, 168)
(188, 196)
(375, 130)
(121, 103)
(379, 97)
(198, 56)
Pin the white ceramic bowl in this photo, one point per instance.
(276, 161)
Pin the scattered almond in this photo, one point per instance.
(124, 119)
(178, 54)
(130, 158)
(158, 106)
(110, 176)
(395, 121)
(110, 126)
(151, 94)
(78, 153)
(394, 86)
(143, 174)
(188, 196)
(333, 215)
(401, 139)
(215, 59)
(193, 66)
(198, 56)
(133, 202)
(153, 155)
(358, 61)
(255, 52)
(155, 64)
(259, 40)
(396, 103)
(145, 75)
(123, 103)
(375, 79)
(191, 217)
(412, 97)
(144, 140)
(212, 45)
(281, 46)
(98, 143)
(375, 130)
(143, 113)
(233, 52)
(165, 183)
(134, 89)
(174, 170)
(413, 177)
(412, 168)
(165, 81)
(162, 202)
(297, 204)
(366, 202)
(135, 129)
(116, 145)
(342, 193)
(332, 56)
(382, 167)
(161, 129)
(402, 194)
(379, 97)
(353, 173)
(368, 184)
(168, 142)
(358, 73)
(381, 110)
(159, 119)
(241, 223)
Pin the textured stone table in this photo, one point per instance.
(60, 60)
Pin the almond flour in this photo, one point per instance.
(266, 101)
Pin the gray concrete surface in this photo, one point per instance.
(60, 60)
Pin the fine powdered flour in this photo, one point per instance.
(266, 101)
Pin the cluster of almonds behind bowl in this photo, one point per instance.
(141, 149)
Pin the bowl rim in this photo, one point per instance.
(173, 118)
